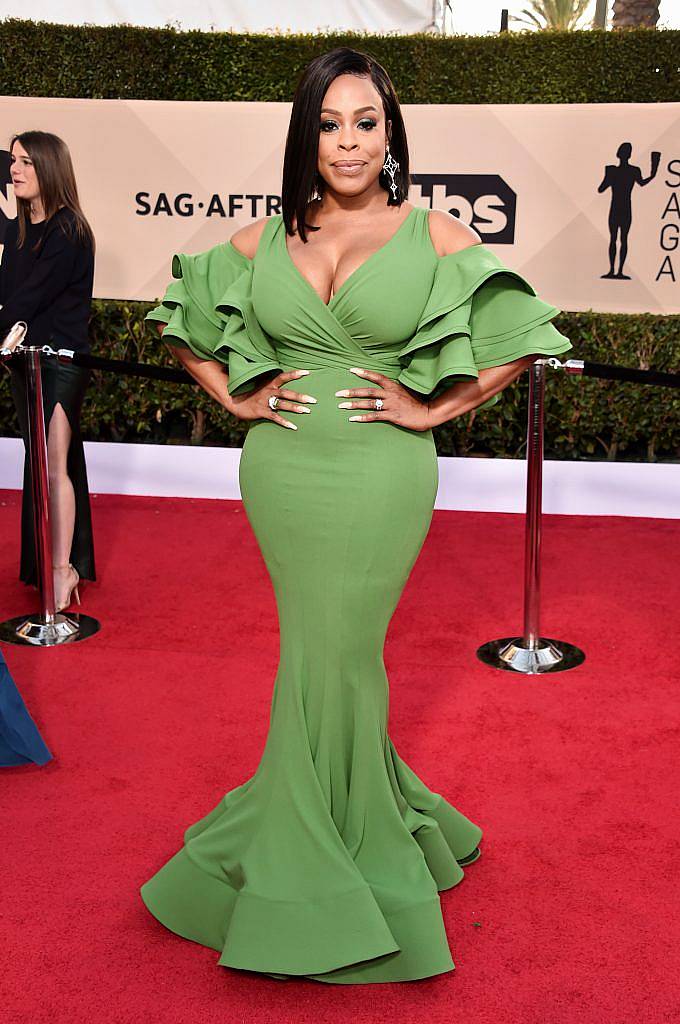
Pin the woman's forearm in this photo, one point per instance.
(467, 395)
(210, 374)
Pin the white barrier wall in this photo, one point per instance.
(469, 485)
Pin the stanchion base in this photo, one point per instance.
(512, 655)
(37, 631)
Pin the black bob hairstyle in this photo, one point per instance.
(300, 177)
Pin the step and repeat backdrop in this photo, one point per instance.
(558, 191)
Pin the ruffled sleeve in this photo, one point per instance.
(479, 314)
(208, 308)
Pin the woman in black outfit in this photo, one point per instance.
(46, 280)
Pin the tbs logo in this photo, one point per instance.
(484, 201)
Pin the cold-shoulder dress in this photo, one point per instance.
(327, 862)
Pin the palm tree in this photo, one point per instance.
(635, 13)
(556, 14)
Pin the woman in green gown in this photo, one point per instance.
(327, 862)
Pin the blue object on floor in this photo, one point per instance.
(20, 741)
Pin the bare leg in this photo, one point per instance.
(62, 504)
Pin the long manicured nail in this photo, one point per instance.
(355, 419)
(342, 394)
(291, 426)
(344, 405)
(309, 398)
(302, 409)
(303, 373)
(355, 369)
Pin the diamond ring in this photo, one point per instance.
(272, 402)
(378, 404)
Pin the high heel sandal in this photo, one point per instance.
(74, 589)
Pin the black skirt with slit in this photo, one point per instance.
(63, 384)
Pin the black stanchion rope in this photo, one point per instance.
(601, 371)
(149, 370)
(132, 369)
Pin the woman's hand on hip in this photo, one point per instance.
(256, 404)
(398, 405)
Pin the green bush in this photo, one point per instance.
(162, 64)
(585, 418)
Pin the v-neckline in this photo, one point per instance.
(361, 266)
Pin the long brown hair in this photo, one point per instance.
(57, 182)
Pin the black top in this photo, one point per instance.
(50, 287)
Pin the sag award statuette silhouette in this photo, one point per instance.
(621, 179)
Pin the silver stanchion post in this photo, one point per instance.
(37, 453)
(47, 628)
(532, 654)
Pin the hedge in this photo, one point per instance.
(122, 62)
(584, 419)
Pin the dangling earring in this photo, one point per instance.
(316, 195)
(390, 167)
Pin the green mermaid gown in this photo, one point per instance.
(327, 862)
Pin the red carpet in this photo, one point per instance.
(570, 915)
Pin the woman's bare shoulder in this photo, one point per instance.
(449, 234)
(247, 239)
